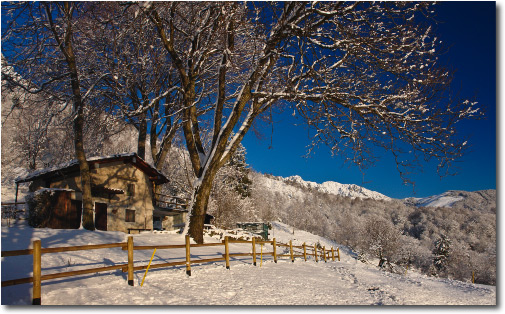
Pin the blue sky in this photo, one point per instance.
(469, 28)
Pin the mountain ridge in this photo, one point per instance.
(333, 187)
(449, 198)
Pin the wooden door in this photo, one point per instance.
(58, 218)
(75, 214)
(101, 216)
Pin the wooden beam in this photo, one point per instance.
(130, 261)
(254, 251)
(36, 293)
(83, 247)
(275, 250)
(291, 251)
(17, 252)
(227, 252)
(188, 255)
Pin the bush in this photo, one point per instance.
(10, 212)
(39, 205)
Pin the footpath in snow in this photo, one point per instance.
(348, 282)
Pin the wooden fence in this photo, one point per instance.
(170, 201)
(294, 251)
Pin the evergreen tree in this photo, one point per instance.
(442, 252)
(238, 163)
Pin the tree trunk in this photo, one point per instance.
(201, 197)
(141, 145)
(78, 124)
(87, 201)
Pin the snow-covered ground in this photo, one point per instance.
(348, 282)
(445, 199)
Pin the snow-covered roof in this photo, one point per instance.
(73, 165)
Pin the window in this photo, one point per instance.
(130, 189)
(130, 215)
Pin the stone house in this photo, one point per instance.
(122, 189)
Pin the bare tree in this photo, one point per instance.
(140, 85)
(361, 74)
(37, 133)
(39, 41)
(22, 131)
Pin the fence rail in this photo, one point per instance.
(169, 200)
(13, 203)
(37, 251)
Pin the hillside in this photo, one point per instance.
(411, 231)
(484, 200)
(348, 282)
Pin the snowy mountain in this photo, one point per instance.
(477, 199)
(289, 185)
(330, 187)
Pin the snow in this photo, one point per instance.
(348, 282)
(51, 190)
(445, 199)
(331, 187)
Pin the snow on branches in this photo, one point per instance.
(361, 74)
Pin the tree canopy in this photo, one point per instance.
(361, 74)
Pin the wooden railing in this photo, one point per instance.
(13, 203)
(37, 251)
(169, 201)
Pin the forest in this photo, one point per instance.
(441, 241)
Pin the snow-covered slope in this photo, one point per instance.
(476, 200)
(345, 282)
(442, 200)
(329, 187)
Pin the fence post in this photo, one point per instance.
(338, 254)
(473, 276)
(130, 260)
(324, 253)
(227, 252)
(254, 250)
(188, 255)
(291, 251)
(261, 256)
(332, 254)
(36, 273)
(275, 250)
(315, 252)
(304, 252)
